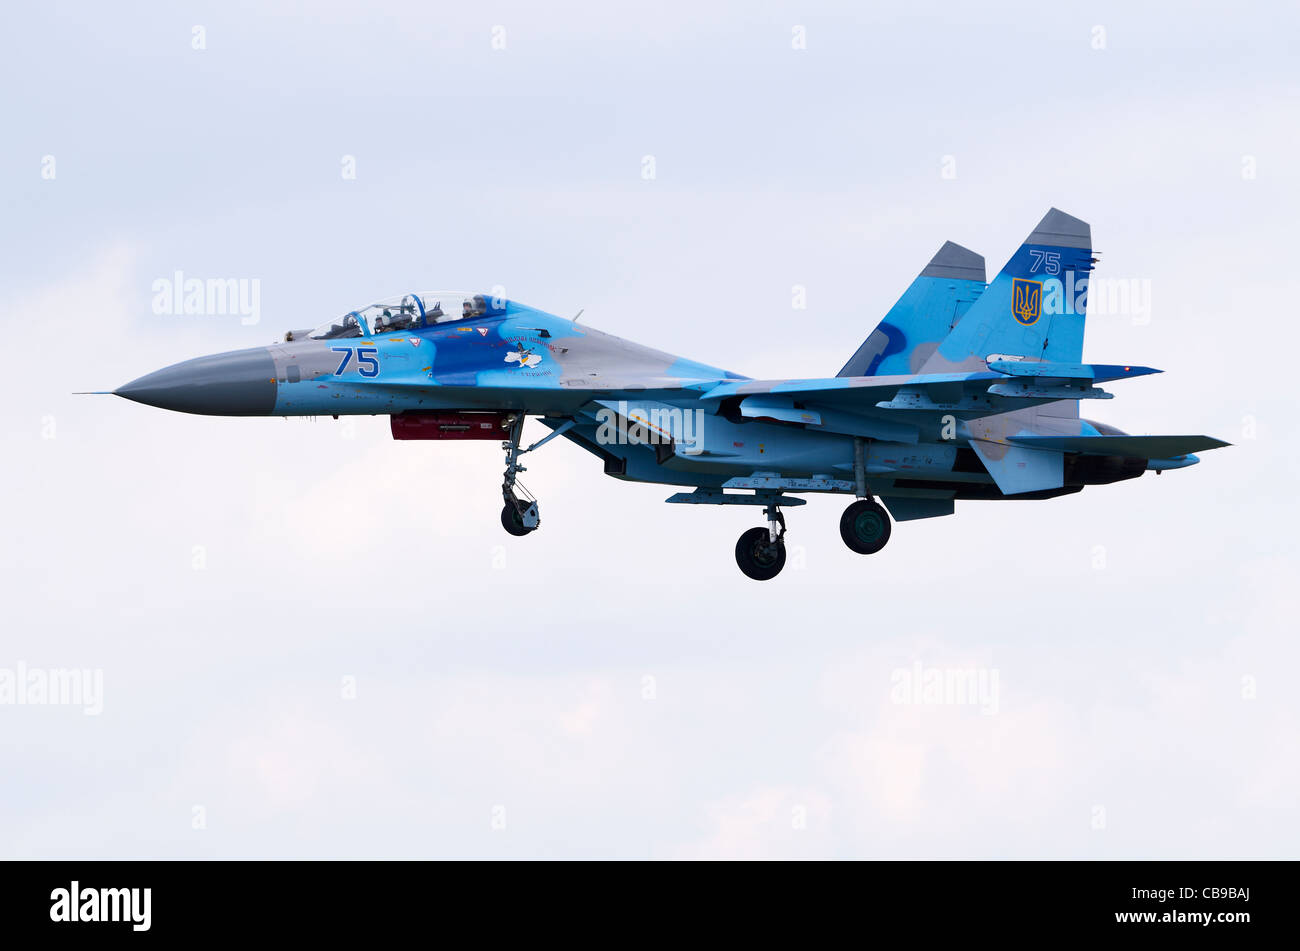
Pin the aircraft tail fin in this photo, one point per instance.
(925, 314)
(1035, 307)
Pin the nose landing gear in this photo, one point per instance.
(520, 515)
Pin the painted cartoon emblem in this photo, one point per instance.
(414, 341)
(523, 357)
(482, 331)
(1026, 300)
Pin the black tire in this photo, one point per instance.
(512, 522)
(758, 556)
(865, 527)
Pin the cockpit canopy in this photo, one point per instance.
(410, 312)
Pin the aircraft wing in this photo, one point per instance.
(1005, 385)
(858, 390)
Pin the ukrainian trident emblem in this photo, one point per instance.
(1026, 300)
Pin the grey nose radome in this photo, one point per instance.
(239, 383)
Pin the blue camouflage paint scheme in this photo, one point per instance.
(951, 397)
(930, 307)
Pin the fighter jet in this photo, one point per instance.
(965, 391)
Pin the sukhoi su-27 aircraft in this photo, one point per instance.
(965, 391)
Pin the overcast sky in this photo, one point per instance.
(315, 641)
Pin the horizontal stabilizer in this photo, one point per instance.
(1137, 447)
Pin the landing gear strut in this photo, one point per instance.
(864, 526)
(519, 516)
(760, 552)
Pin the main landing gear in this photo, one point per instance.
(760, 552)
(864, 526)
(519, 516)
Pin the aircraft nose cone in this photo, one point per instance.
(240, 383)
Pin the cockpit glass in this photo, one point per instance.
(346, 326)
(410, 312)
